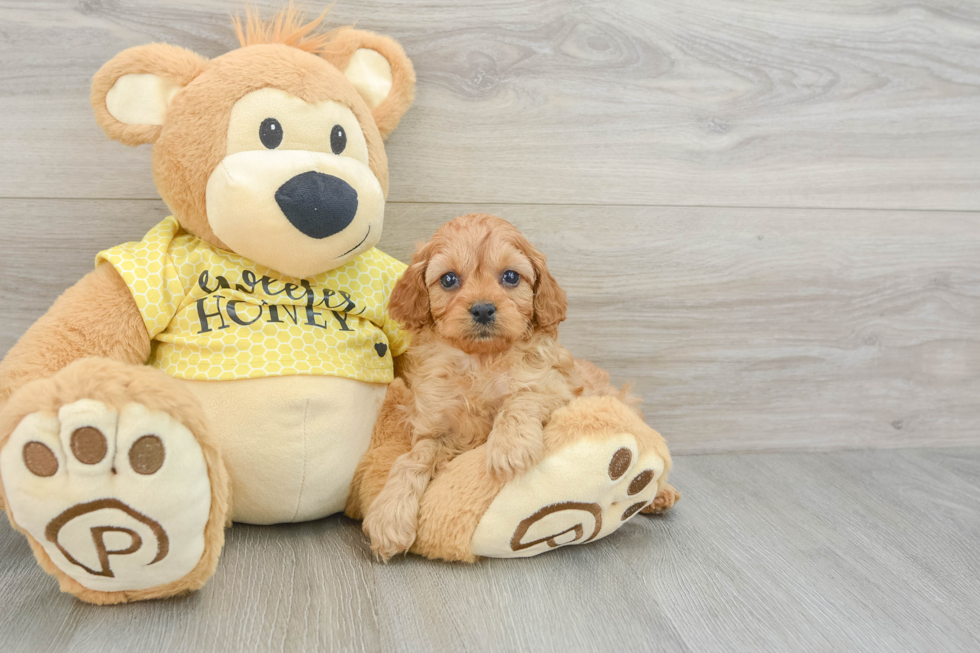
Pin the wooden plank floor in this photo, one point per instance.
(855, 551)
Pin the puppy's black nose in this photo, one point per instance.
(318, 205)
(483, 313)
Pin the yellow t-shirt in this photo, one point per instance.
(214, 315)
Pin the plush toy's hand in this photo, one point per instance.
(514, 447)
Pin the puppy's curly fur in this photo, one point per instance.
(484, 366)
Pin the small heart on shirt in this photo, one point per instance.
(381, 348)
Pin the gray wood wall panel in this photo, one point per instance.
(770, 103)
(744, 329)
(842, 551)
(839, 307)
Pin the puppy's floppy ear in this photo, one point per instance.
(550, 303)
(132, 91)
(379, 69)
(409, 303)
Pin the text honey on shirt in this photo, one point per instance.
(214, 315)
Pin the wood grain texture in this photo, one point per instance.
(859, 551)
(744, 329)
(873, 104)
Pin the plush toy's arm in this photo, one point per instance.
(95, 317)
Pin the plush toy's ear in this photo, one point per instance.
(380, 71)
(132, 91)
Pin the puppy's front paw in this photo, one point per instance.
(389, 536)
(511, 454)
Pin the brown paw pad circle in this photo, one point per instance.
(632, 510)
(640, 482)
(619, 464)
(88, 445)
(39, 459)
(146, 455)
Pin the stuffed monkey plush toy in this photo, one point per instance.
(233, 365)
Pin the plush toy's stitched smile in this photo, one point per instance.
(358, 244)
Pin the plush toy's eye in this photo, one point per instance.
(338, 139)
(449, 280)
(270, 133)
(510, 278)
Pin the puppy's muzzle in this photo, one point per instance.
(484, 313)
(317, 204)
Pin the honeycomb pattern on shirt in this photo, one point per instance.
(214, 315)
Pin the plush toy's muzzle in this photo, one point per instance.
(296, 191)
(295, 211)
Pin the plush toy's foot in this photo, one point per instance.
(107, 470)
(580, 493)
(602, 466)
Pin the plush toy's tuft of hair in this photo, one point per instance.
(288, 27)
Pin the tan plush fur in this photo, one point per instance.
(337, 47)
(473, 383)
(168, 61)
(389, 113)
(288, 27)
(192, 142)
(117, 384)
(53, 362)
(95, 317)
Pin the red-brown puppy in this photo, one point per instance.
(484, 366)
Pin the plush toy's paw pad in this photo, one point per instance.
(578, 494)
(664, 501)
(118, 500)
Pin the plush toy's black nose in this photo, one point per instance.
(483, 313)
(318, 205)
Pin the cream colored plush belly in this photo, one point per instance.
(291, 443)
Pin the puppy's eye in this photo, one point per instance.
(338, 139)
(510, 278)
(449, 280)
(270, 133)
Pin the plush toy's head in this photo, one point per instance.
(273, 151)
